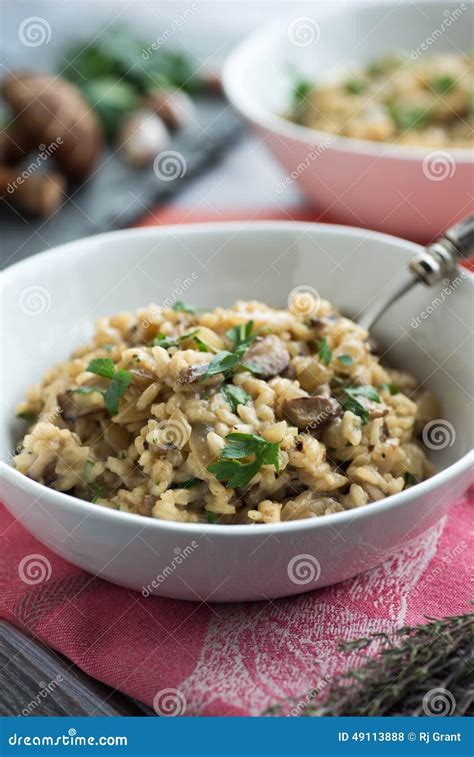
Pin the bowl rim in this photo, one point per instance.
(261, 116)
(85, 509)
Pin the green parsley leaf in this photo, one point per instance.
(181, 307)
(241, 335)
(86, 390)
(118, 387)
(102, 366)
(212, 517)
(226, 362)
(392, 388)
(350, 402)
(345, 359)
(120, 379)
(98, 492)
(238, 446)
(408, 118)
(186, 484)
(443, 83)
(26, 416)
(234, 396)
(410, 479)
(355, 86)
(168, 341)
(324, 351)
(301, 90)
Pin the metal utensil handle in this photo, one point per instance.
(438, 260)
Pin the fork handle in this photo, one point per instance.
(439, 259)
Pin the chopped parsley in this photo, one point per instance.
(350, 400)
(235, 473)
(27, 416)
(168, 341)
(301, 90)
(410, 479)
(181, 307)
(119, 381)
(443, 83)
(98, 492)
(324, 351)
(86, 390)
(408, 118)
(186, 484)
(392, 388)
(212, 517)
(234, 396)
(355, 86)
(345, 359)
(227, 362)
(241, 335)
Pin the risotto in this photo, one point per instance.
(240, 415)
(424, 102)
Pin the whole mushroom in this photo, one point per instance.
(54, 114)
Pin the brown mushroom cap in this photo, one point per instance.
(311, 413)
(269, 355)
(54, 112)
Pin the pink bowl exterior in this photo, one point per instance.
(387, 193)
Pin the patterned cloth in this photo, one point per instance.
(234, 659)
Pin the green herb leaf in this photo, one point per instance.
(168, 341)
(301, 90)
(98, 492)
(355, 86)
(116, 390)
(186, 484)
(350, 402)
(324, 351)
(86, 390)
(410, 479)
(234, 396)
(181, 307)
(345, 359)
(212, 517)
(392, 388)
(26, 416)
(443, 83)
(408, 118)
(102, 366)
(238, 446)
(241, 335)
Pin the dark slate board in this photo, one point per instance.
(117, 196)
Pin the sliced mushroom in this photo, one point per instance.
(192, 374)
(74, 405)
(174, 106)
(310, 414)
(269, 356)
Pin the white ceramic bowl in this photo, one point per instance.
(49, 303)
(413, 192)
